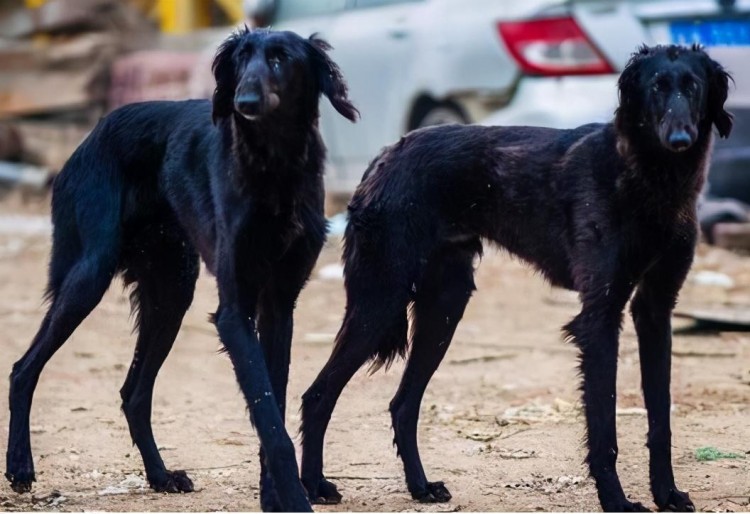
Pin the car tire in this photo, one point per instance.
(439, 114)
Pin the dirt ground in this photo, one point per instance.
(500, 421)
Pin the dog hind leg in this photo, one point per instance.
(79, 292)
(164, 273)
(366, 328)
(447, 286)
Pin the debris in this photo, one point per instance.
(484, 358)
(548, 485)
(535, 412)
(65, 17)
(337, 224)
(709, 453)
(53, 499)
(564, 407)
(331, 272)
(515, 454)
(712, 278)
(112, 490)
(722, 318)
(319, 338)
(129, 483)
(80, 40)
(515, 432)
(483, 438)
(32, 177)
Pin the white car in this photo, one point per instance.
(408, 63)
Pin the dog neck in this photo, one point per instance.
(270, 149)
(661, 178)
(271, 158)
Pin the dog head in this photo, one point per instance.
(260, 73)
(673, 93)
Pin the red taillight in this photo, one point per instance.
(553, 47)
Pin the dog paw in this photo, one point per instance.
(21, 482)
(435, 492)
(172, 482)
(323, 492)
(677, 502)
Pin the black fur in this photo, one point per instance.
(155, 186)
(604, 209)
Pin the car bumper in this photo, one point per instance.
(559, 102)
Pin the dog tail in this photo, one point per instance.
(376, 277)
(86, 213)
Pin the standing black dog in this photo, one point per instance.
(156, 185)
(604, 209)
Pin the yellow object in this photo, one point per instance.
(181, 16)
(34, 4)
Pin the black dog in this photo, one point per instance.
(604, 209)
(155, 186)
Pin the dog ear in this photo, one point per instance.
(330, 80)
(627, 83)
(223, 69)
(718, 89)
(628, 88)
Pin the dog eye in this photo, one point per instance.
(275, 60)
(690, 85)
(661, 85)
(246, 51)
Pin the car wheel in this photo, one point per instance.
(440, 114)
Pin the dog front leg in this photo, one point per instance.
(652, 309)
(238, 334)
(275, 309)
(595, 331)
(275, 330)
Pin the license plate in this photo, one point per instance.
(711, 33)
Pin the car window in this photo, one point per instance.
(377, 3)
(290, 9)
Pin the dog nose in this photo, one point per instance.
(680, 140)
(248, 104)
